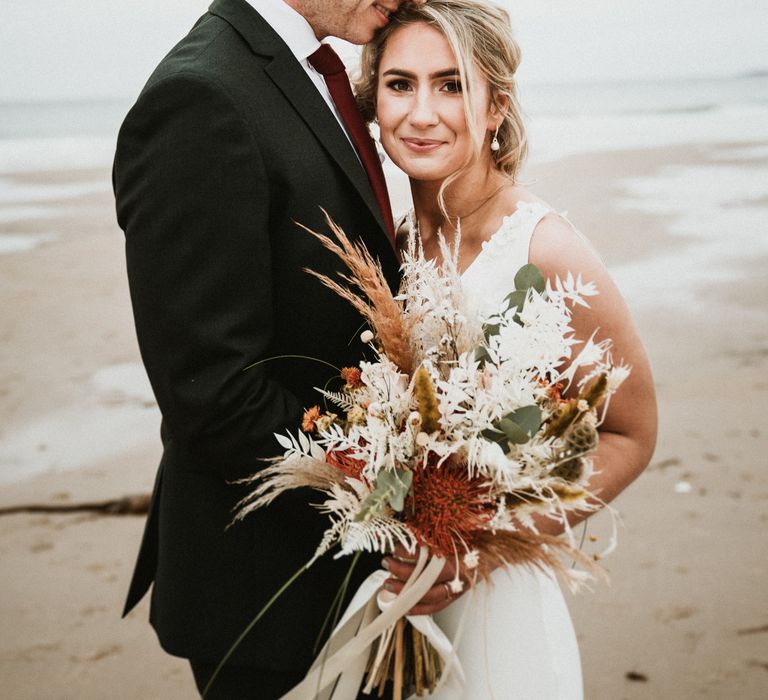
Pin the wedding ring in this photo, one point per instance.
(448, 592)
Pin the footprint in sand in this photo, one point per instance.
(667, 615)
(42, 546)
(665, 463)
(36, 652)
(93, 610)
(99, 654)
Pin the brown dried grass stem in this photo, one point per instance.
(378, 306)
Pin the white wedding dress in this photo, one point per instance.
(517, 641)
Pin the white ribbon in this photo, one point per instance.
(371, 613)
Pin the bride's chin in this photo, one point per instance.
(424, 174)
(417, 171)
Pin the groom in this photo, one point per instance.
(242, 131)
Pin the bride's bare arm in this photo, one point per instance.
(628, 434)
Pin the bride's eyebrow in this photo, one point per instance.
(446, 73)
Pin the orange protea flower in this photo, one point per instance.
(342, 461)
(352, 376)
(446, 506)
(310, 419)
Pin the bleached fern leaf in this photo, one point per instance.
(341, 399)
(379, 534)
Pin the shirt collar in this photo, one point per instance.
(292, 28)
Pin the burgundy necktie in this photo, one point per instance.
(326, 62)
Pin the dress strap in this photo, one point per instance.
(528, 214)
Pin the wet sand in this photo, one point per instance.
(685, 614)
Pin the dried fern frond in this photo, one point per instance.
(379, 307)
(339, 398)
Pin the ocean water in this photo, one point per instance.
(592, 117)
(563, 119)
(720, 209)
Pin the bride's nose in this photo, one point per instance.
(423, 113)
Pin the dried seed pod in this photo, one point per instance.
(582, 438)
(572, 470)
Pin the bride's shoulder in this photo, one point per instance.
(518, 205)
(558, 247)
(552, 230)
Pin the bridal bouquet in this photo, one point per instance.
(454, 438)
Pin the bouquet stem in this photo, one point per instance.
(397, 692)
(404, 656)
(418, 662)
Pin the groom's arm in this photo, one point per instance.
(193, 200)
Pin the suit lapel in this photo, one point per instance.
(293, 82)
(290, 78)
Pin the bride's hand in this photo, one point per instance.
(400, 566)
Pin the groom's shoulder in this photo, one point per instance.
(212, 50)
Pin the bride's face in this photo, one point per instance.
(420, 108)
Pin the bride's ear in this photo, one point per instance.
(498, 110)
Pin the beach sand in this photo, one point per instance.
(685, 613)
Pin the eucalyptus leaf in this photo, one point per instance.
(481, 354)
(493, 435)
(528, 418)
(391, 489)
(491, 329)
(529, 276)
(513, 432)
(400, 489)
(516, 299)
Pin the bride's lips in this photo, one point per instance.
(422, 145)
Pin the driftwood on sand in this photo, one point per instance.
(136, 504)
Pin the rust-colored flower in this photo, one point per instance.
(309, 420)
(554, 391)
(352, 376)
(342, 461)
(446, 506)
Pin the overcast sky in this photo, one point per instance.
(54, 49)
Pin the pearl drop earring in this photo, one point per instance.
(495, 141)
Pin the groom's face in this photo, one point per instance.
(354, 20)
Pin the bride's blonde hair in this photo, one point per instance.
(480, 35)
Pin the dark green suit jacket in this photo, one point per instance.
(228, 145)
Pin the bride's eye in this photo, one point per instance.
(398, 85)
(452, 86)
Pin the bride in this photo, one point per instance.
(440, 81)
